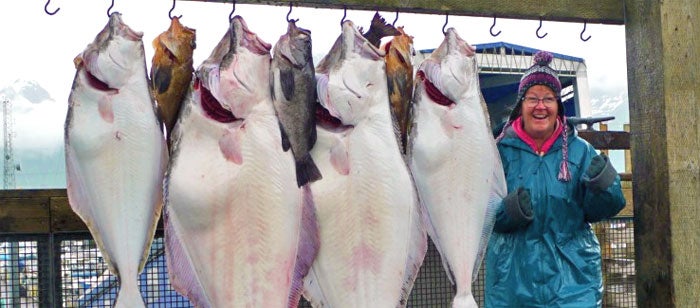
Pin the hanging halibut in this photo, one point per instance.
(372, 237)
(455, 162)
(115, 153)
(171, 70)
(238, 230)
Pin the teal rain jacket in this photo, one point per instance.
(554, 260)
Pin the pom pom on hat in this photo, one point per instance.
(542, 58)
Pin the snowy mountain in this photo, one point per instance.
(31, 91)
(37, 135)
(612, 105)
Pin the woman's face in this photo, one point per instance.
(539, 112)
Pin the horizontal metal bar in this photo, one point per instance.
(591, 11)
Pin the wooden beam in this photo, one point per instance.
(663, 68)
(609, 140)
(592, 11)
(23, 215)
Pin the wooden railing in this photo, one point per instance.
(48, 211)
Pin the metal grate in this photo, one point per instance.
(24, 275)
(87, 282)
(616, 237)
(40, 270)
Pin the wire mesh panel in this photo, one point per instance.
(432, 287)
(69, 270)
(23, 271)
(87, 282)
(616, 237)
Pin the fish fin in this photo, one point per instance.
(80, 199)
(287, 83)
(497, 193)
(104, 106)
(161, 78)
(378, 29)
(181, 271)
(307, 171)
(312, 290)
(286, 145)
(129, 295)
(230, 145)
(417, 249)
(309, 244)
(436, 242)
(464, 301)
(339, 157)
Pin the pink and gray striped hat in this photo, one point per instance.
(540, 73)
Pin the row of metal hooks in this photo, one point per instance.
(345, 12)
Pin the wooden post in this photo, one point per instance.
(603, 128)
(628, 153)
(663, 68)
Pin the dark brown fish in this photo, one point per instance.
(171, 70)
(293, 83)
(399, 75)
(378, 30)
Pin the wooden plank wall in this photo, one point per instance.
(37, 211)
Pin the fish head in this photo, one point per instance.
(113, 57)
(244, 70)
(294, 46)
(350, 75)
(451, 67)
(400, 48)
(178, 43)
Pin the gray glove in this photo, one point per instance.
(600, 174)
(518, 206)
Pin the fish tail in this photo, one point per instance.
(464, 300)
(307, 171)
(379, 29)
(129, 295)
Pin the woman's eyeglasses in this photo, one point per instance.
(533, 101)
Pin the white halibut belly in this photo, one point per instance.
(115, 177)
(453, 174)
(366, 219)
(239, 224)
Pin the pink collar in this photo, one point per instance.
(518, 127)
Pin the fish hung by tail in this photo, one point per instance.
(378, 30)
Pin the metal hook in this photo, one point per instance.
(345, 13)
(290, 11)
(171, 12)
(230, 15)
(109, 14)
(443, 26)
(584, 30)
(395, 19)
(538, 30)
(47, 10)
(491, 30)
